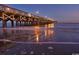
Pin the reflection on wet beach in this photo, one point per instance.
(34, 34)
(34, 40)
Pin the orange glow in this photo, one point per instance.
(50, 25)
(37, 38)
(37, 33)
(48, 31)
(7, 9)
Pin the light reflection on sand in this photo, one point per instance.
(26, 34)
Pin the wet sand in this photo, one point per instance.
(39, 41)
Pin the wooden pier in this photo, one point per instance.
(20, 17)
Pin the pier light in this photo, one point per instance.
(29, 14)
(8, 9)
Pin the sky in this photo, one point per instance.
(59, 12)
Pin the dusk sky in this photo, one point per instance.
(59, 12)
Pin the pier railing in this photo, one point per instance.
(12, 14)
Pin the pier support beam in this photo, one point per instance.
(4, 23)
(16, 23)
(12, 23)
(20, 23)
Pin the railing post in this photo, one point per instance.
(3, 20)
(12, 21)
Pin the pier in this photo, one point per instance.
(21, 17)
